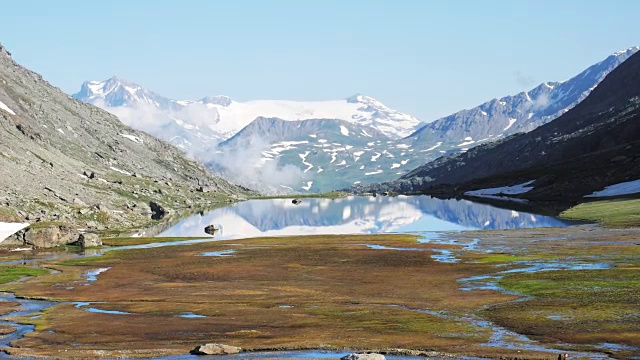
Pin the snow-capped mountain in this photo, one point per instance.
(221, 117)
(522, 112)
(315, 155)
(290, 154)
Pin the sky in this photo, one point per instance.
(425, 58)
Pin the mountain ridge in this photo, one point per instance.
(71, 163)
(593, 145)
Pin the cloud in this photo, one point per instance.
(523, 79)
(189, 128)
(245, 165)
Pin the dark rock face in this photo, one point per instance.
(595, 144)
(296, 201)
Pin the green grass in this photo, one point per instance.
(126, 241)
(13, 273)
(610, 213)
(502, 258)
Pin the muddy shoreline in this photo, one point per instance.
(486, 245)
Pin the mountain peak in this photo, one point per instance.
(4, 51)
(221, 100)
(630, 51)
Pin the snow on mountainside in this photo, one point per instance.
(522, 112)
(220, 117)
(355, 140)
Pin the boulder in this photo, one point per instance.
(215, 349)
(212, 229)
(49, 236)
(89, 240)
(205, 189)
(362, 356)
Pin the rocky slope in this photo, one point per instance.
(333, 160)
(522, 112)
(73, 164)
(593, 145)
(315, 155)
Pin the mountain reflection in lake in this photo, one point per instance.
(355, 215)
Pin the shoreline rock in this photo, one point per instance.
(215, 349)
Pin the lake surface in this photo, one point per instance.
(355, 215)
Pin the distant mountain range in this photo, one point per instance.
(593, 145)
(222, 117)
(282, 153)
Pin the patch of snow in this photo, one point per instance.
(511, 122)
(8, 229)
(6, 108)
(120, 171)
(434, 146)
(395, 166)
(403, 146)
(343, 162)
(629, 187)
(135, 139)
(313, 136)
(404, 162)
(529, 116)
(466, 143)
(376, 156)
(344, 130)
(320, 169)
(374, 172)
(504, 190)
(60, 131)
(366, 134)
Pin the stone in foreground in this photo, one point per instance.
(358, 356)
(89, 240)
(217, 349)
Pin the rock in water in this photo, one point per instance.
(296, 201)
(89, 240)
(215, 349)
(357, 356)
(212, 229)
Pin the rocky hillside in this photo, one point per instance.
(596, 144)
(71, 163)
(316, 155)
(512, 114)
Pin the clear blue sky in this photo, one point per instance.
(427, 58)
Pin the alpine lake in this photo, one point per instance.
(409, 276)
